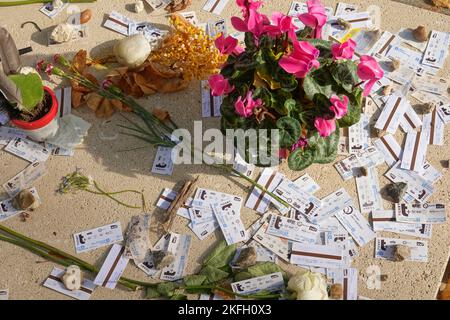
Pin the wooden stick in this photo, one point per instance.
(188, 188)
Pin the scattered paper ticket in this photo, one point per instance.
(444, 113)
(7, 134)
(118, 23)
(348, 278)
(229, 217)
(163, 163)
(54, 282)
(437, 49)
(215, 6)
(385, 249)
(316, 255)
(7, 209)
(358, 226)
(259, 200)
(332, 204)
(345, 8)
(64, 97)
(384, 43)
(113, 267)
(25, 179)
(415, 151)
(277, 245)
(359, 135)
(148, 265)
(292, 229)
(434, 127)
(384, 220)
(272, 283)
(350, 167)
(392, 114)
(390, 149)
(420, 213)
(98, 237)
(27, 150)
(179, 245)
(50, 11)
(369, 191)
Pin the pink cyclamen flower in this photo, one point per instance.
(325, 126)
(254, 23)
(343, 50)
(301, 143)
(219, 85)
(301, 60)
(244, 107)
(315, 18)
(280, 24)
(228, 45)
(40, 65)
(369, 70)
(106, 84)
(49, 69)
(339, 107)
(247, 5)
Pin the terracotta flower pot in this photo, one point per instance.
(45, 127)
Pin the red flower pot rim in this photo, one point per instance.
(45, 120)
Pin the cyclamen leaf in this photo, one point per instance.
(221, 255)
(354, 110)
(301, 159)
(178, 297)
(325, 150)
(194, 280)
(213, 274)
(31, 89)
(344, 73)
(166, 289)
(259, 270)
(312, 86)
(290, 131)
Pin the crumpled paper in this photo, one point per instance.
(137, 240)
(71, 132)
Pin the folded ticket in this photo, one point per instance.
(113, 267)
(332, 204)
(299, 200)
(28, 150)
(148, 265)
(414, 154)
(384, 220)
(229, 217)
(277, 245)
(434, 127)
(420, 213)
(444, 113)
(7, 134)
(317, 255)
(385, 249)
(390, 149)
(392, 114)
(7, 209)
(437, 49)
(349, 168)
(98, 237)
(54, 282)
(369, 191)
(358, 226)
(359, 135)
(259, 200)
(292, 229)
(272, 283)
(418, 187)
(25, 179)
(179, 245)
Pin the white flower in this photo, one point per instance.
(309, 286)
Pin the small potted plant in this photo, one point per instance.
(32, 107)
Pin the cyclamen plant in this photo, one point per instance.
(292, 80)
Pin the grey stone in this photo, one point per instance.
(395, 191)
(247, 258)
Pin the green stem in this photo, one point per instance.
(19, 3)
(249, 296)
(110, 195)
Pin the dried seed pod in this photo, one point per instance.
(247, 258)
(344, 23)
(420, 34)
(387, 90)
(401, 253)
(395, 64)
(85, 16)
(73, 278)
(336, 291)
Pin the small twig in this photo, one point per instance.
(33, 23)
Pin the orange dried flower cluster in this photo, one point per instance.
(190, 50)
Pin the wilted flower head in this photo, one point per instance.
(309, 286)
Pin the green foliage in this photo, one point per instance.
(259, 270)
(152, 293)
(166, 289)
(194, 280)
(292, 105)
(31, 89)
(221, 255)
(213, 274)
